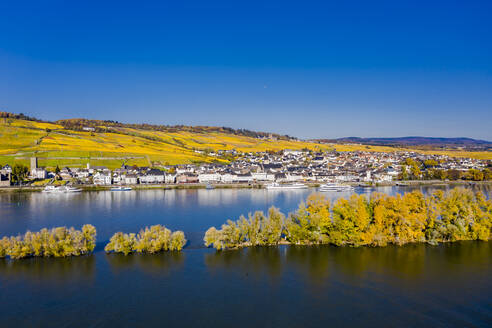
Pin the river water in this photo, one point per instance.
(287, 286)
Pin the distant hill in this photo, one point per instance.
(415, 141)
(76, 142)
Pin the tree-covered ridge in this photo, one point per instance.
(56, 242)
(155, 239)
(420, 142)
(377, 220)
(78, 124)
(19, 116)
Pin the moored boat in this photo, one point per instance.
(50, 189)
(278, 186)
(335, 187)
(68, 189)
(120, 188)
(60, 189)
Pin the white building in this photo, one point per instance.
(117, 178)
(170, 178)
(6, 169)
(244, 178)
(294, 177)
(82, 173)
(102, 178)
(39, 173)
(383, 177)
(130, 179)
(346, 178)
(228, 178)
(153, 176)
(184, 169)
(263, 176)
(293, 152)
(209, 177)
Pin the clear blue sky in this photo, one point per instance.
(308, 69)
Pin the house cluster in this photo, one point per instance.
(299, 165)
(263, 167)
(125, 175)
(5, 175)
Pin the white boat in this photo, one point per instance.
(120, 188)
(335, 187)
(278, 186)
(50, 189)
(60, 189)
(209, 186)
(70, 189)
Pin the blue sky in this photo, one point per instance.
(308, 69)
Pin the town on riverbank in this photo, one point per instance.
(254, 170)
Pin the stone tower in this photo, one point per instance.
(34, 163)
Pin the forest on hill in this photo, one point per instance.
(78, 124)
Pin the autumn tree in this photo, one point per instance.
(379, 220)
(430, 163)
(151, 240)
(56, 242)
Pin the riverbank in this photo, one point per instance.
(138, 187)
(422, 183)
(413, 183)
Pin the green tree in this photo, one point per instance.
(430, 163)
(487, 174)
(453, 174)
(474, 175)
(57, 242)
(441, 175)
(403, 174)
(415, 172)
(19, 172)
(151, 240)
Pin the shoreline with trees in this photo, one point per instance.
(378, 220)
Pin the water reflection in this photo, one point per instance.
(202, 197)
(155, 264)
(316, 264)
(49, 270)
(192, 211)
(255, 260)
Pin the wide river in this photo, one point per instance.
(412, 286)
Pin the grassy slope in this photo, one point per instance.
(21, 139)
